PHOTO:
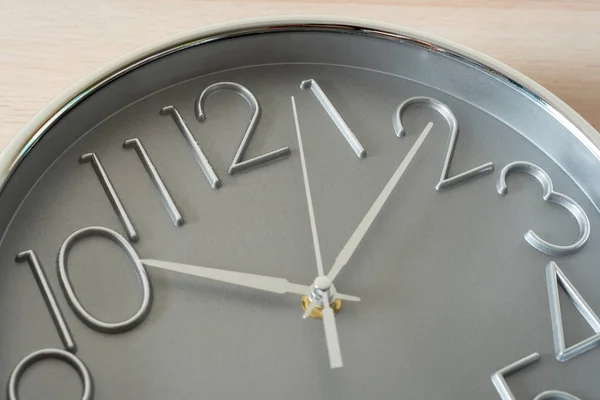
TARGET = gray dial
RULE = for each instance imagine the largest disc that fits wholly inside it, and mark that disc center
(167, 230)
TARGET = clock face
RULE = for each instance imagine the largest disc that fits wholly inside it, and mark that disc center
(166, 231)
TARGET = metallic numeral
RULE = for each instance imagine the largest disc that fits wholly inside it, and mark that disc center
(335, 116)
(551, 196)
(205, 166)
(444, 182)
(63, 331)
(49, 298)
(168, 202)
(140, 271)
(554, 275)
(44, 354)
(111, 194)
(239, 164)
(499, 381)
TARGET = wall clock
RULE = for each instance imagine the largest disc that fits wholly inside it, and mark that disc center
(302, 209)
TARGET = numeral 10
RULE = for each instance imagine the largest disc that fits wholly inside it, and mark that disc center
(68, 355)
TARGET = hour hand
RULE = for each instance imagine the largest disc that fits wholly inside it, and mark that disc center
(260, 282)
(331, 337)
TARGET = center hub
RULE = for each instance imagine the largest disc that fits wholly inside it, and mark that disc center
(323, 283)
(322, 290)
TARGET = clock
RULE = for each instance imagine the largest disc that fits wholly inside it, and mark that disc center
(301, 208)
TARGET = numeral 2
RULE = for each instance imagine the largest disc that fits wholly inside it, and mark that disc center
(238, 164)
(444, 182)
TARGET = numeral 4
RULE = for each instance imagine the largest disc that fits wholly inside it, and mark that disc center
(554, 275)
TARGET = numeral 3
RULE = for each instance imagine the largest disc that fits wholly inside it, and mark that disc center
(553, 197)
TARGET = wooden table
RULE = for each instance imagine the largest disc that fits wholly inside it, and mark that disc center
(47, 45)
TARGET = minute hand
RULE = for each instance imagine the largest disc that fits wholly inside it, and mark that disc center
(352, 243)
(260, 282)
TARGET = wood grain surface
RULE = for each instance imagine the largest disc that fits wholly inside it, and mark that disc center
(47, 45)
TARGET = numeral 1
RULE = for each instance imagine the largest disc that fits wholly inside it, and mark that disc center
(499, 381)
(63, 331)
(114, 199)
(165, 196)
(444, 182)
(205, 166)
(554, 275)
(335, 116)
(49, 298)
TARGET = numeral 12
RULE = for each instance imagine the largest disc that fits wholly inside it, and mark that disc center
(238, 164)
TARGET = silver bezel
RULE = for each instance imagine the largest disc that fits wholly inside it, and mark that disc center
(24, 141)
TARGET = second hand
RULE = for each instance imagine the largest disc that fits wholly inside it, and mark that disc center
(311, 211)
(331, 334)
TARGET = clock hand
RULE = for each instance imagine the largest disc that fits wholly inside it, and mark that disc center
(311, 212)
(260, 282)
(357, 236)
(309, 202)
(331, 336)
